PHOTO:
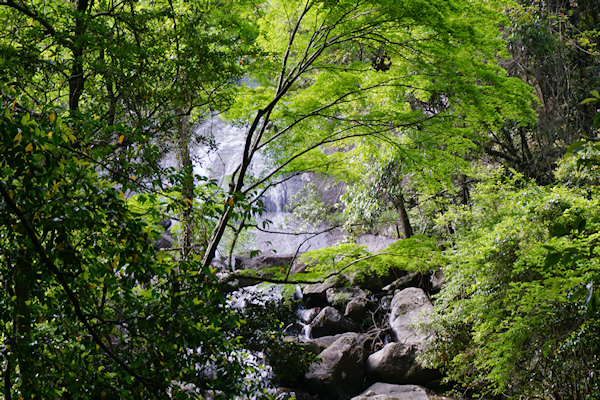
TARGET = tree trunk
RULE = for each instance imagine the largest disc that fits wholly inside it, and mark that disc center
(187, 201)
(464, 189)
(187, 188)
(76, 79)
(405, 225)
(24, 278)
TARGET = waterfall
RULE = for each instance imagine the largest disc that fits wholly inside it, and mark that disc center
(217, 151)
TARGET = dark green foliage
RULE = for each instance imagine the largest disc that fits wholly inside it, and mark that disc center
(88, 309)
(555, 49)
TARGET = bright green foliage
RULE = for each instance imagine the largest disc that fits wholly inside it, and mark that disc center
(418, 253)
(321, 90)
(514, 301)
(341, 84)
(583, 153)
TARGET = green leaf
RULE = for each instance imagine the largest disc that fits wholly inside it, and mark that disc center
(576, 146)
(552, 259)
(588, 100)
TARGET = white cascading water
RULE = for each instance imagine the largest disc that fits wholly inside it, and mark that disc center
(220, 163)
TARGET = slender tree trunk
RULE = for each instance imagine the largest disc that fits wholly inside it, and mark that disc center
(237, 184)
(7, 379)
(24, 278)
(76, 79)
(187, 189)
(464, 189)
(406, 227)
(187, 201)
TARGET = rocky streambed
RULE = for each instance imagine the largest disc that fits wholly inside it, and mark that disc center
(364, 333)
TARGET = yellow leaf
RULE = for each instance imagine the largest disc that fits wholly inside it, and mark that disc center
(52, 118)
(13, 104)
(18, 138)
(133, 177)
(121, 139)
(50, 135)
(188, 202)
(230, 202)
(29, 148)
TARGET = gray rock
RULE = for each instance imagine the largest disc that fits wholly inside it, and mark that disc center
(408, 307)
(386, 391)
(263, 261)
(330, 322)
(307, 315)
(166, 223)
(326, 341)
(340, 374)
(164, 242)
(306, 344)
(356, 309)
(286, 393)
(397, 363)
(437, 280)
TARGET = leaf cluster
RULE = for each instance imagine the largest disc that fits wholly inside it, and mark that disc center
(513, 293)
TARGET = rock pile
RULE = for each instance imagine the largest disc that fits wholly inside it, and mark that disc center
(363, 358)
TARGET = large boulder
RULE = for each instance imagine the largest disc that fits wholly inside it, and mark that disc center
(316, 295)
(340, 374)
(260, 294)
(397, 363)
(386, 391)
(356, 309)
(325, 341)
(308, 314)
(407, 308)
(330, 322)
(307, 344)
